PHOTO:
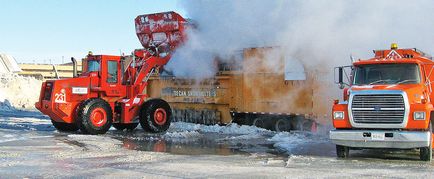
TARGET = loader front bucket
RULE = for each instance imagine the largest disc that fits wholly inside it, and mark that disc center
(165, 28)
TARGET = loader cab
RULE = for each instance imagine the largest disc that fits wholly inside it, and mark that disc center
(105, 73)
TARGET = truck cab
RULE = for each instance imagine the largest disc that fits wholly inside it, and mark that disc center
(387, 103)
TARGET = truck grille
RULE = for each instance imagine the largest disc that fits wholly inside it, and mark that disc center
(378, 109)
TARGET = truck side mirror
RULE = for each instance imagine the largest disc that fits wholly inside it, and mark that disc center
(341, 73)
(340, 76)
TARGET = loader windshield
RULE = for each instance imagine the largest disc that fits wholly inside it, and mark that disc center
(93, 65)
(374, 74)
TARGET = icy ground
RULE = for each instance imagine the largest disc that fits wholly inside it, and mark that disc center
(31, 147)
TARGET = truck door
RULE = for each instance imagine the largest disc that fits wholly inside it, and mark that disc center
(112, 78)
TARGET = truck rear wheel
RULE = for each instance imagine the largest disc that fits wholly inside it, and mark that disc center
(155, 116)
(121, 127)
(94, 116)
(64, 127)
(342, 151)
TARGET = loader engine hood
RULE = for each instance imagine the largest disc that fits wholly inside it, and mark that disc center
(59, 98)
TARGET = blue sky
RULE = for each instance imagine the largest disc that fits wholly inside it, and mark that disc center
(40, 31)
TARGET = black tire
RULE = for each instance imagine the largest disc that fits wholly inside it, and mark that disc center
(258, 122)
(64, 127)
(282, 125)
(342, 151)
(87, 123)
(122, 127)
(426, 152)
(150, 115)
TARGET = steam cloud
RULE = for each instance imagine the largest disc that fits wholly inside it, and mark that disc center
(319, 33)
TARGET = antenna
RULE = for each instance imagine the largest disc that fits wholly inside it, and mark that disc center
(352, 58)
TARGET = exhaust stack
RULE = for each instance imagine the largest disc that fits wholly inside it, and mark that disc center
(74, 67)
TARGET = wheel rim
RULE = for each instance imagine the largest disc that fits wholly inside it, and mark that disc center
(160, 116)
(258, 123)
(98, 117)
(282, 126)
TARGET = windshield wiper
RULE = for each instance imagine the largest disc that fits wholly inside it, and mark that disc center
(378, 81)
(404, 81)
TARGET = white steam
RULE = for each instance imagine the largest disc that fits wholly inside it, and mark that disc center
(319, 33)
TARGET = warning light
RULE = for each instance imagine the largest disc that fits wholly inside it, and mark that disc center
(394, 46)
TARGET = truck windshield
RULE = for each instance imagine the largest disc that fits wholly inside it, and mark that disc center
(407, 73)
(93, 65)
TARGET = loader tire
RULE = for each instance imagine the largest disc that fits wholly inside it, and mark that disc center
(155, 116)
(64, 127)
(342, 151)
(94, 116)
(122, 127)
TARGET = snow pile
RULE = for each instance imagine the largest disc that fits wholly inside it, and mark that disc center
(18, 92)
(233, 129)
(5, 105)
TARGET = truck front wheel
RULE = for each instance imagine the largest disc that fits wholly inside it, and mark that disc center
(94, 116)
(426, 152)
(155, 116)
(342, 151)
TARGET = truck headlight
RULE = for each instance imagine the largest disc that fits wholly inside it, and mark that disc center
(419, 115)
(338, 115)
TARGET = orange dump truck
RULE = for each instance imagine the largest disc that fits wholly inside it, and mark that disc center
(388, 103)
